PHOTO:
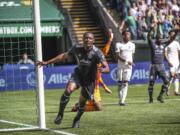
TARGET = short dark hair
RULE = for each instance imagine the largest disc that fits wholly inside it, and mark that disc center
(86, 33)
(124, 31)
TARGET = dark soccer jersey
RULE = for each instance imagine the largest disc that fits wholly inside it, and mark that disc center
(87, 61)
(157, 52)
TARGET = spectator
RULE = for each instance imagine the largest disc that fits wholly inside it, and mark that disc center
(25, 59)
(141, 28)
(154, 11)
(175, 8)
(167, 26)
(131, 24)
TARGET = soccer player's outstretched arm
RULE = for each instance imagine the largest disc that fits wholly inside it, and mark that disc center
(106, 48)
(59, 58)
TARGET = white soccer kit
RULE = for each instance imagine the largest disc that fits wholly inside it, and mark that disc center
(126, 51)
(173, 55)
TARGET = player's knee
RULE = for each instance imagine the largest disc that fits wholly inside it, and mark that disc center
(151, 83)
(69, 89)
(119, 83)
(166, 82)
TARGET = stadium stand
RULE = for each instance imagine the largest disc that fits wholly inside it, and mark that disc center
(164, 12)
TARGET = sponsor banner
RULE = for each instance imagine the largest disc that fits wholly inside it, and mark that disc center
(27, 29)
(24, 78)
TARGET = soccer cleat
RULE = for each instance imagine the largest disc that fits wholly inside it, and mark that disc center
(122, 104)
(176, 93)
(160, 99)
(58, 119)
(167, 93)
(76, 123)
(150, 100)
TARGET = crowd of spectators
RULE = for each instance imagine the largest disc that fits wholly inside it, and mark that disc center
(138, 15)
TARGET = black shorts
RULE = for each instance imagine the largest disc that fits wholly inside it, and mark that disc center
(157, 70)
(87, 87)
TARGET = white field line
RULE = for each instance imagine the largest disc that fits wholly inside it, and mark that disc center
(16, 123)
(59, 132)
(18, 129)
(29, 127)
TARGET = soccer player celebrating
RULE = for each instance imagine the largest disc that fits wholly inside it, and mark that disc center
(96, 103)
(172, 53)
(157, 49)
(124, 53)
(88, 57)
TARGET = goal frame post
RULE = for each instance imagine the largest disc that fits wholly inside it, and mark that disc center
(39, 70)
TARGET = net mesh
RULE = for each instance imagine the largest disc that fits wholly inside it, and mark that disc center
(18, 100)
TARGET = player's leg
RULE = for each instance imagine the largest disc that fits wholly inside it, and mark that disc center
(86, 94)
(176, 81)
(172, 79)
(165, 85)
(176, 86)
(72, 85)
(80, 111)
(152, 78)
(120, 83)
(124, 93)
(96, 104)
(126, 75)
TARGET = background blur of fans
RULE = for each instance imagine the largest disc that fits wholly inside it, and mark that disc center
(138, 15)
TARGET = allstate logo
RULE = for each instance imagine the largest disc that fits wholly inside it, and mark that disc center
(32, 79)
(114, 74)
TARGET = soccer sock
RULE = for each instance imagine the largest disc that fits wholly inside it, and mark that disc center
(176, 85)
(63, 102)
(124, 92)
(164, 88)
(79, 113)
(120, 90)
(150, 92)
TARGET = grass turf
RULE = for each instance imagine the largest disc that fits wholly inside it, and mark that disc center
(138, 118)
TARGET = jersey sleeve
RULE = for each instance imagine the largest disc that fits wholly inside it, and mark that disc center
(134, 48)
(178, 45)
(117, 47)
(101, 56)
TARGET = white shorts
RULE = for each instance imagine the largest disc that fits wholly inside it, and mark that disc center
(124, 74)
(175, 69)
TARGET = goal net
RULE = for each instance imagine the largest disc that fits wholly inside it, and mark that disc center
(18, 100)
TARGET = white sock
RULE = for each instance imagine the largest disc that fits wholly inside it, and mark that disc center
(120, 92)
(124, 92)
(176, 85)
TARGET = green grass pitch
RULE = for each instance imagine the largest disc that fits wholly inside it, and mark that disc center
(137, 118)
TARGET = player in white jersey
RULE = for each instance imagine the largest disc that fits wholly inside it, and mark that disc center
(172, 53)
(124, 52)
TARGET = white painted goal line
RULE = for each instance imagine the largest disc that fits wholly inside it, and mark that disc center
(29, 127)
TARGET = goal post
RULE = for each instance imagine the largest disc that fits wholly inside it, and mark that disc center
(21, 85)
(38, 46)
